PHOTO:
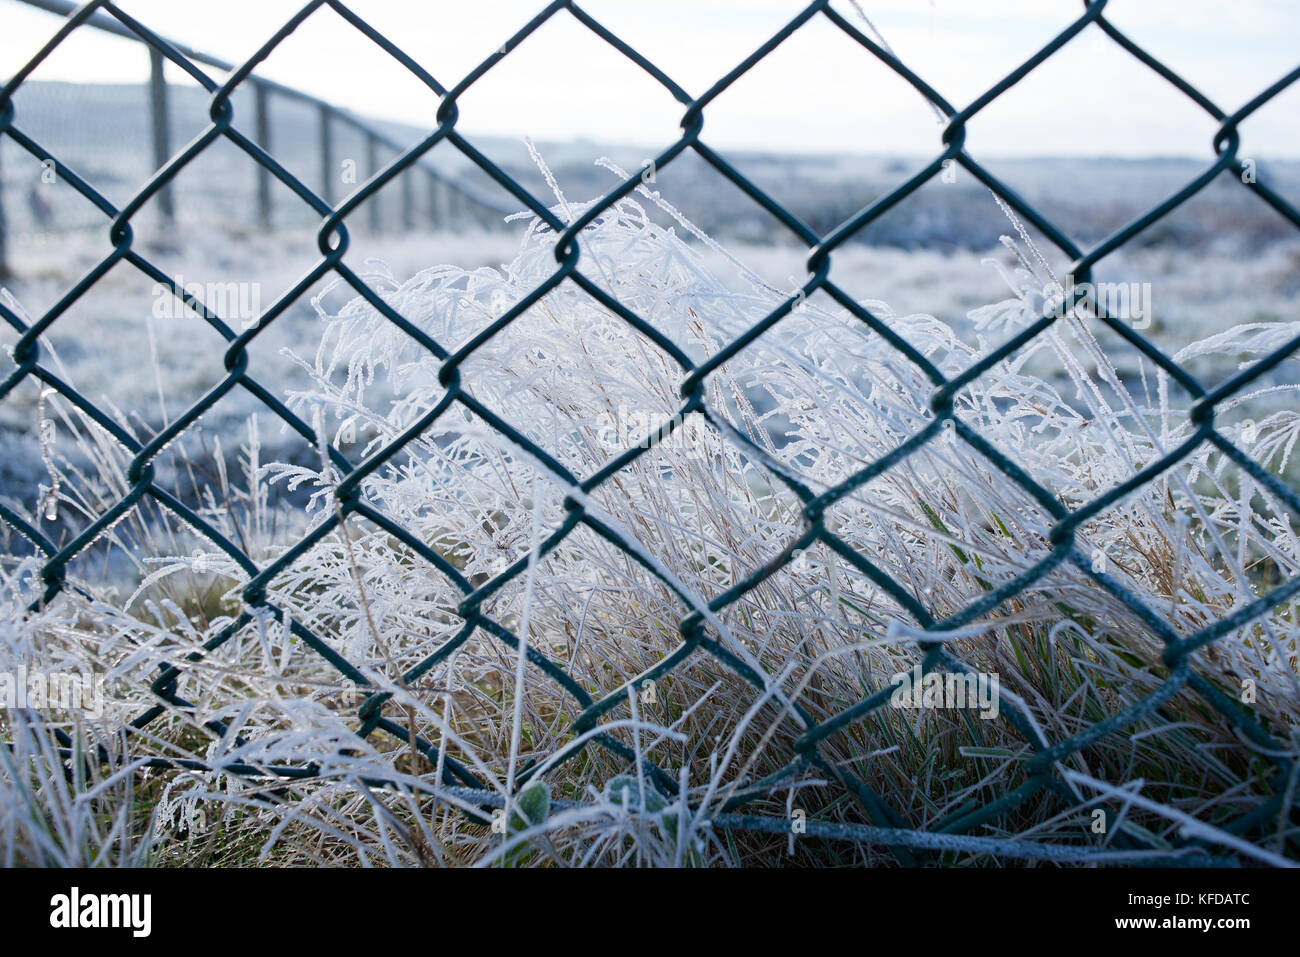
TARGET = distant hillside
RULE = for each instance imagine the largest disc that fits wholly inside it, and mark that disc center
(104, 133)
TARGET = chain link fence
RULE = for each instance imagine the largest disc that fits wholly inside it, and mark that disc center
(144, 124)
(1044, 773)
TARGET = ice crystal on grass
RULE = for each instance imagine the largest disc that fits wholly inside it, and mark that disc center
(708, 503)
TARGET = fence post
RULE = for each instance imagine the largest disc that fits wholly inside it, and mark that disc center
(435, 201)
(4, 261)
(408, 201)
(372, 164)
(262, 108)
(161, 138)
(326, 156)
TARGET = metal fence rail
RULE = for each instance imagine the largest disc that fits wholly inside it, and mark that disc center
(447, 199)
(886, 825)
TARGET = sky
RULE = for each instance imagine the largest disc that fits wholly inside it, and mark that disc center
(818, 92)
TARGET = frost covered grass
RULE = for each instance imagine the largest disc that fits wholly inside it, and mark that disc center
(60, 805)
(820, 397)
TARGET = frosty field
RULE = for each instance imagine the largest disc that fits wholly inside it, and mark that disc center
(542, 592)
(131, 325)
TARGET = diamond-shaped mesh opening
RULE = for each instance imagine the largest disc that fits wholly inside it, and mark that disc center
(867, 97)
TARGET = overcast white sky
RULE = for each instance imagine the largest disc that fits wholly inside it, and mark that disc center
(818, 92)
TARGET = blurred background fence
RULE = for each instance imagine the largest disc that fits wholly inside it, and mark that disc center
(147, 124)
